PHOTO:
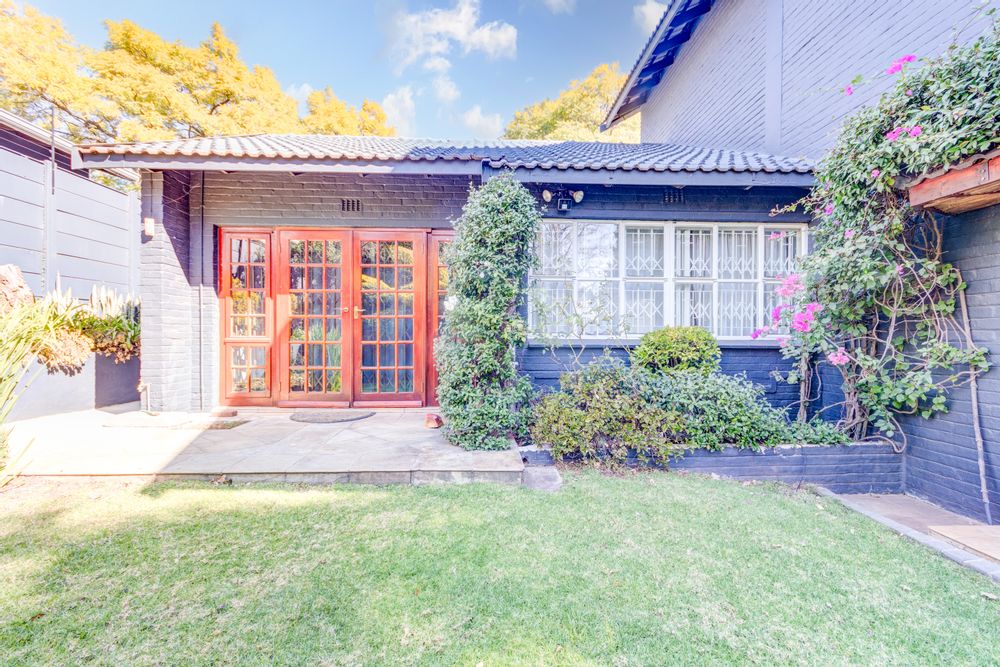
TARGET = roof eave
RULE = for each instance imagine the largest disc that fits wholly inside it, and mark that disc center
(795, 179)
(237, 163)
(610, 119)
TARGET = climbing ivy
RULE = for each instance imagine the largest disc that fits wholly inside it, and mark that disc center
(876, 298)
(483, 397)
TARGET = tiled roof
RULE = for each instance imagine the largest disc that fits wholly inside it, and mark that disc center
(526, 154)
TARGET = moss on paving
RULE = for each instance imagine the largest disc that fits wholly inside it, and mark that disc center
(646, 569)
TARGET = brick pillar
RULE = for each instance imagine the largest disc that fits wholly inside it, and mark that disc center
(168, 343)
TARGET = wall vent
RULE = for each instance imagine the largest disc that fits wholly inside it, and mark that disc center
(673, 196)
(351, 206)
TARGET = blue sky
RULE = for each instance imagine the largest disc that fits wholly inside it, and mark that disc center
(442, 69)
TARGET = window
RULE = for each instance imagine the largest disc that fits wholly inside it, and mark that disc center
(600, 279)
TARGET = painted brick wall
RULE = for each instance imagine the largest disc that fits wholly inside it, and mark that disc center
(718, 93)
(941, 458)
(309, 199)
(167, 333)
(713, 94)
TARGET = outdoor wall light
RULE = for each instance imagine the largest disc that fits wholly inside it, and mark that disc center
(148, 226)
(546, 196)
(578, 196)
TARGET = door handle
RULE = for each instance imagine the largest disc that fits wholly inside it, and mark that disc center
(358, 311)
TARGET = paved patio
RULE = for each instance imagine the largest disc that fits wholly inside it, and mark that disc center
(390, 447)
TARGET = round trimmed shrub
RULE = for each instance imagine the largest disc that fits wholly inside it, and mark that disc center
(674, 349)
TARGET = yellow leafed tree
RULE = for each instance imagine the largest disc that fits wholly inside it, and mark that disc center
(328, 114)
(143, 87)
(576, 114)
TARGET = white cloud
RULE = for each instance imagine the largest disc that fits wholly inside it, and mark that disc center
(432, 33)
(400, 110)
(437, 64)
(560, 6)
(445, 89)
(300, 93)
(648, 14)
(482, 126)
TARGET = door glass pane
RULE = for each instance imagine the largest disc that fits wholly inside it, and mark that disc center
(316, 292)
(387, 299)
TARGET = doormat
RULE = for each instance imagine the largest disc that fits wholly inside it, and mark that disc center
(329, 416)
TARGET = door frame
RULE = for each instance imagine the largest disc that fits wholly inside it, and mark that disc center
(276, 318)
(416, 398)
(280, 259)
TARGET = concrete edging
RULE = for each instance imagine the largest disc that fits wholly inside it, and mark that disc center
(946, 549)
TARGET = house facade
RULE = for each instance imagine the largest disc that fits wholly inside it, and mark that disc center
(772, 76)
(297, 270)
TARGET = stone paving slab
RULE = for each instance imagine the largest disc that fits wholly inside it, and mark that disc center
(391, 447)
(981, 539)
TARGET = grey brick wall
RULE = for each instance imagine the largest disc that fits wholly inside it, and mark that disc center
(719, 92)
(713, 95)
(311, 199)
(842, 469)
(167, 333)
(941, 459)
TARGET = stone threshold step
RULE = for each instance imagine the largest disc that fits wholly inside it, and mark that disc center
(980, 539)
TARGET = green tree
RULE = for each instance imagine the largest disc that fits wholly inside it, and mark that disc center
(577, 112)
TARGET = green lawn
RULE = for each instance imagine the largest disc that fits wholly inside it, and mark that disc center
(650, 569)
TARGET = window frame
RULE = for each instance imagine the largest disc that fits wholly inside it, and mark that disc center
(670, 279)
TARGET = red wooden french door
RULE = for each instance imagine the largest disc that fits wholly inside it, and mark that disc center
(389, 317)
(314, 332)
(246, 317)
(328, 317)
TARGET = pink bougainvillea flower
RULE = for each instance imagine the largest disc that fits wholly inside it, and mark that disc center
(828, 209)
(897, 64)
(838, 358)
(776, 313)
(802, 321)
(909, 93)
(782, 340)
(757, 333)
(900, 269)
(813, 308)
(790, 286)
(848, 90)
(876, 173)
(894, 133)
(916, 131)
(848, 233)
(777, 236)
